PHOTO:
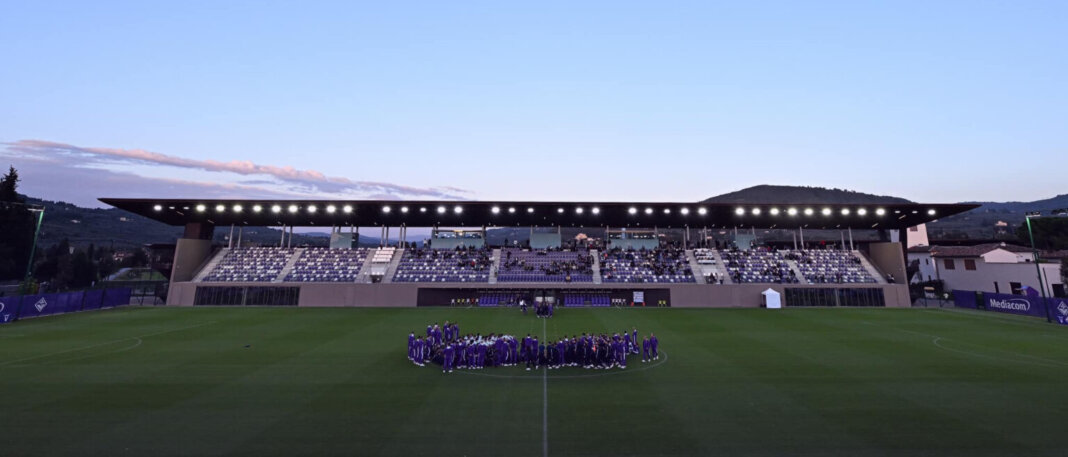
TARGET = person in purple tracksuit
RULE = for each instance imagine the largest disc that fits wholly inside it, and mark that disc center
(634, 338)
(646, 349)
(411, 346)
(417, 349)
(513, 351)
(654, 343)
(447, 359)
(472, 356)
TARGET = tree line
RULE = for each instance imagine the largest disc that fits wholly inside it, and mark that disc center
(61, 266)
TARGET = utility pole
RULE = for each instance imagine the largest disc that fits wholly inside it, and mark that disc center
(1038, 267)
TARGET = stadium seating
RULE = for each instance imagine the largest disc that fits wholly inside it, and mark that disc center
(545, 265)
(758, 265)
(444, 265)
(256, 264)
(704, 256)
(328, 265)
(577, 300)
(830, 266)
(498, 299)
(663, 265)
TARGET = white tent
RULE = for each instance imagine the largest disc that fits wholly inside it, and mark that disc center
(772, 299)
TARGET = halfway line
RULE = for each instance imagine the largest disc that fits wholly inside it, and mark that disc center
(545, 401)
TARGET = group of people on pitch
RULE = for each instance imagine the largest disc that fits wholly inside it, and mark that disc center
(453, 351)
(543, 309)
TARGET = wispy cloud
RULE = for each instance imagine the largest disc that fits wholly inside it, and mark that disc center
(285, 180)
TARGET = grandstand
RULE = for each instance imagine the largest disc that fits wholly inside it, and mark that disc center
(545, 266)
(327, 265)
(656, 265)
(641, 253)
(257, 264)
(443, 265)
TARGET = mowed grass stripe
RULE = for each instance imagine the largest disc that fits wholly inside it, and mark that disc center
(336, 382)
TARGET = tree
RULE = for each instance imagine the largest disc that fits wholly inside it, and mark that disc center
(138, 258)
(9, 186)
(82, 271)
(1051, 233)
(16, 229)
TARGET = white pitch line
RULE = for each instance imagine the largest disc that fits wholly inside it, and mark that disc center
(545, 400)
(10, 362)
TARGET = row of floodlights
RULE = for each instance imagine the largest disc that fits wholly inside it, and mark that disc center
(740, 211)
(825, 211)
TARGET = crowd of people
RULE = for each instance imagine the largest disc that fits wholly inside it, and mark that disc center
(541, 309)
(471, 258)
(582, 263)
(444, 345)
(664, 261)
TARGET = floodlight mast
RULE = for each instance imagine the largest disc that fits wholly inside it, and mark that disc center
(36, 233)
(1038, 267)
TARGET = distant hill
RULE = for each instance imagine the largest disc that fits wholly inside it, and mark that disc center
(982, 222)
(121, 229)
(767, 193)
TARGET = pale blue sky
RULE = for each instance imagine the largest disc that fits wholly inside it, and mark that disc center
(932, 101)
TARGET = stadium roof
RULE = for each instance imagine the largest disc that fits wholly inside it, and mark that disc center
(451, 213)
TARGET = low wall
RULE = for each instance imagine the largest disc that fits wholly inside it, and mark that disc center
(408, 294)
(18, 307)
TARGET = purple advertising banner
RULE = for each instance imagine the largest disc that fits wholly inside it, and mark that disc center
(93, 299)
(1015, 304)
(1059, 308)
(116, 297)
(9, 307)
(72, 301)
(19, 307)
(37, 305)
(964, 299)
(1023, 305)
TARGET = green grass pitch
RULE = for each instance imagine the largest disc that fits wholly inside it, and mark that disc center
(857, 382)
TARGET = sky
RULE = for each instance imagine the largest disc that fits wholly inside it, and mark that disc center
(606, 101)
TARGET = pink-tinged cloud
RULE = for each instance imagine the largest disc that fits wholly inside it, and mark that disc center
(39, 178)
(308, 180)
